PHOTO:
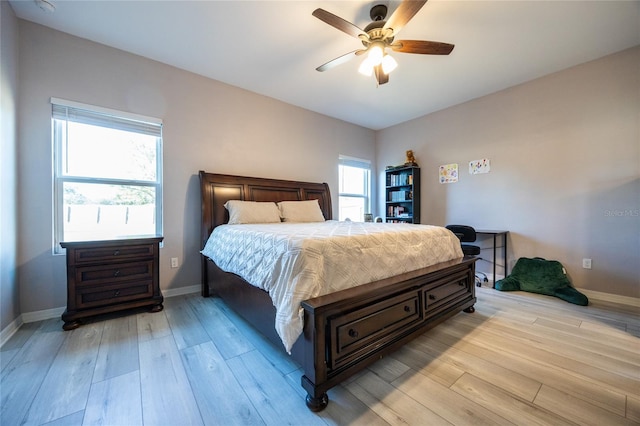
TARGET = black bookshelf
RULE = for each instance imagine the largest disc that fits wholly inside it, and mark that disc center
(402, 194)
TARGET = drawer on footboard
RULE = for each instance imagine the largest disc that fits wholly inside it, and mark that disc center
(356, 332)
(446, 292)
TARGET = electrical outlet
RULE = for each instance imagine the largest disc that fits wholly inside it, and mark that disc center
(174, 262)
(586, 263)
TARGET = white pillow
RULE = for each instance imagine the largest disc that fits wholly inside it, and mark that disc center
(301, 211)
(252, 212)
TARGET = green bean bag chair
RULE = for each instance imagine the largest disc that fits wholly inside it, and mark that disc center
(542, 276)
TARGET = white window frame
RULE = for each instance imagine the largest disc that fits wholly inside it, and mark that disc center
(105, 117)
(360, 163)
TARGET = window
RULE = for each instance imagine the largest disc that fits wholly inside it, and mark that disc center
(354, 188)
(107, 173)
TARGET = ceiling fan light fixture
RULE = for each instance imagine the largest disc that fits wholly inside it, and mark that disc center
(376, 53)
(366, 67)
(388, 64)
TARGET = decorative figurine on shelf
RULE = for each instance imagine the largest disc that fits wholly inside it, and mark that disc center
(411, 160)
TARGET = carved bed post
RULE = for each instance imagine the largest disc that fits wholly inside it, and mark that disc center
(314, 359)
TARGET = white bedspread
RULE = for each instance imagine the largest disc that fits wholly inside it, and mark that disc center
(298, 261)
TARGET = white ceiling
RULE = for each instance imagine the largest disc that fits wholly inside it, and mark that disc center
(273, 47)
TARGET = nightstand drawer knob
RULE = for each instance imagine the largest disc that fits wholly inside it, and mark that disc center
(432, 297)
(116, 293)
(407, 308)
(353, 333)
(116, 273)
(117, 252)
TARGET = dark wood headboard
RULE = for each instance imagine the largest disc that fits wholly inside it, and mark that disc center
(216, 190)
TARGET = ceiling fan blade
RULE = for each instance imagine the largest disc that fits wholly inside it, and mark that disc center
(340, 60)
(337, 22)
(422, 47)
(381, 77)
(403, 14)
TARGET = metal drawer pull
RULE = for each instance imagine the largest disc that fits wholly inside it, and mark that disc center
(117, 293)
(116, 273)
(117, 252)
(407, 308)
(461, 283)
(353, 333)
(432, 297)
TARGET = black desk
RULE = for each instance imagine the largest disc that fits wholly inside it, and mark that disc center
(495, 235)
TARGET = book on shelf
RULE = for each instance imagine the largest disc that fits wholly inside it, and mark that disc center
(400, 180)
(398, 211)
(400, 195)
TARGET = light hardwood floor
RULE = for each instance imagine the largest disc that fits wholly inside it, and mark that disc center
(519, 359)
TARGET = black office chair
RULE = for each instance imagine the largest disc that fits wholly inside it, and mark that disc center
(467, 234)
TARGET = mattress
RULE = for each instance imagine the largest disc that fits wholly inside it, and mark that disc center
(297, 261)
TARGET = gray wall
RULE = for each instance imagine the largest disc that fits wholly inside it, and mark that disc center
(9, 295)
(565, 168)
(208, 126)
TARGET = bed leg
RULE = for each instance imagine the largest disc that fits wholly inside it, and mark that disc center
(317, 404)
(469, 310)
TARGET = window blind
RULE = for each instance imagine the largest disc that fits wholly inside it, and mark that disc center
(354, 162)
(73, 111)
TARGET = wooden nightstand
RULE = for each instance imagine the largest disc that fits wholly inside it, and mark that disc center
(111, 275)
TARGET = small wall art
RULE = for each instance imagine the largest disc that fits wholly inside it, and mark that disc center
(479, 166)
(448, 173)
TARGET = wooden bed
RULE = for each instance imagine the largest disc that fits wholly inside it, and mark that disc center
(344, 331)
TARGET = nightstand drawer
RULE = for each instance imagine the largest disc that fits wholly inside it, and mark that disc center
(113, 273)
(113, 254)
(88, 297)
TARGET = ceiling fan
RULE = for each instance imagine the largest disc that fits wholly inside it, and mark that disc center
(379, 35)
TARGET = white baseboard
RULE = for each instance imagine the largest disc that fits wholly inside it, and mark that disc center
(46, 314)
(608, 297)
(172, 292)
(42, 315)
(10, 330)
